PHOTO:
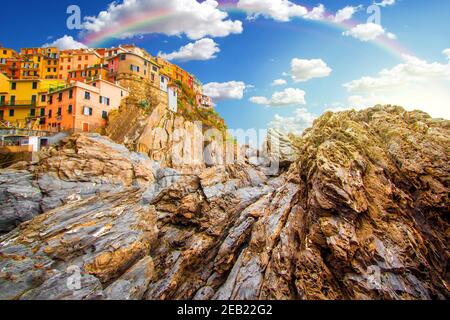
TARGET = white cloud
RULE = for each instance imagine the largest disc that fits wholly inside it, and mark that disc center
(368, 31)
(414, 84)
(385, 3)
(204, 49)
(279, 82)
(346, 13)
(66, 43)
(232, 90)
(301, 120)
(317, 13)
(303, 70)
(280, 10)
(447, 53)
(287, 97)
(194, 19)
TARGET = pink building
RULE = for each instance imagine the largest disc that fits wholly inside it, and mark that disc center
(204, 101)
(83, 106)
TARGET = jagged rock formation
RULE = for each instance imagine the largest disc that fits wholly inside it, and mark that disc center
(361, 214)
(83, 166)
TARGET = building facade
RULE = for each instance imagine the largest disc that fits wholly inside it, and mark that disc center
(83, 107)
(23, 105)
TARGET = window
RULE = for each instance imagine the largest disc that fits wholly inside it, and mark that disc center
(42, 112)
(13, 86)
(35, 84)
(87, 111)
(70, 93)
(69, 109)
(87, 95)
(50, 99)
(60, 96)
(134, 68)
(32, 112)
(12, 100)
(59, 112)
(11, 112)
(105, 115)
(104, 100)
(49, 113)
(123, 57)
(33, 99)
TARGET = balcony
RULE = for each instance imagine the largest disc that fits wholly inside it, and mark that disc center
(18, 103)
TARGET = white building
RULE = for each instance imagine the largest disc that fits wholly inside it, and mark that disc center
(164, 82)
(172, 92)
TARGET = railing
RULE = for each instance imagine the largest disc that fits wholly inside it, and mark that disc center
(18, 103)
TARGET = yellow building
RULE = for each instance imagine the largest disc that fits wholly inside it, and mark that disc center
(25, 100)
(39, 63)
(4, 93)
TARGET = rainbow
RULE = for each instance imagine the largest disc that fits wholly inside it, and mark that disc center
(147, 19)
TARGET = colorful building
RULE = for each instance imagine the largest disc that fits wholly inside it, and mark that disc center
(23, 105)
(133, 64)
(74, 60)
(83, 106)
(7, 58)
(204, 101)
(198, 86)
(39, 63)
(175, 73)
(89, 74)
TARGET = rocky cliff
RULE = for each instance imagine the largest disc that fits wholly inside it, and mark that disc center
(362, 213)
(145, 124)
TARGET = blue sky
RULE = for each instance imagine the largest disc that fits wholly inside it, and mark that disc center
(264, 48)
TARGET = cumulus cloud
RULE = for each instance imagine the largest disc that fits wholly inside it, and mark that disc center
(414, 84)
(65, 43)
(287, 97)
(346, 13)
(203, 49)
(447, 53)
(303, 70)
(280, 10)
(317, 13)
(194, 19)
(368, 31)
(279, 82)
(385, 3)
(232, 90)
(296, 124)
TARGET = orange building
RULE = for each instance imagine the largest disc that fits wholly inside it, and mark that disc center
(175, 73)
(7, 58)
(89, 74)
(72, 60)
(83, 106)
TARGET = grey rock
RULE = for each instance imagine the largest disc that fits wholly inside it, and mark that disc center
(133, 284)
(19, 197)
